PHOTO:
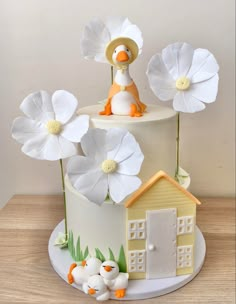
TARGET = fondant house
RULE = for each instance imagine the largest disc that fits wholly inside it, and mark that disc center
(161, 219)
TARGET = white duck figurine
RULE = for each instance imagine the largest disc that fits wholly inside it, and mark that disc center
(96, 287)
(79, 274)
(123, 97)
(115, 280)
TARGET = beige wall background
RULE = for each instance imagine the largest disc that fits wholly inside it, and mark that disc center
(40, 49)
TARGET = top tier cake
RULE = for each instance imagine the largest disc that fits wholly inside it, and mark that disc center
(155, 132)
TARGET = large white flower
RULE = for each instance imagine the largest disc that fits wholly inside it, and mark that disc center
(112, 160)
(183, 74)
(98, 34)
(51, 127)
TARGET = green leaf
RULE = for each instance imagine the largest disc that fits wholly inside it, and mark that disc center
(81, 255)
(122, 260)
(86, 252)
(111, 255)
(97, 253)
(69, 242)
(78, 249)
(101, 258)
(72, 247)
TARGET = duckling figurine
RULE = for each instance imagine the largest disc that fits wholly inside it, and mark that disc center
(96, 287)
(115, 280)
(123, 97)
(79, 274)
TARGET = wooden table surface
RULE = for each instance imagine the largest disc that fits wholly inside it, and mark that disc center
(26, 275)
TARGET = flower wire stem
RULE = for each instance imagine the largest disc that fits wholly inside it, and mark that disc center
(64, 198)
(177, 147)
(112, 74)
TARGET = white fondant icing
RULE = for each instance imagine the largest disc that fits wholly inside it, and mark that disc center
(96, 288)
(123, 77)
(121, 103)
(100, 227)
(161, 243)
(155, 132)
(114, 279)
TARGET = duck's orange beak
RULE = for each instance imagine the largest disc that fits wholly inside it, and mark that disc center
(83, 263)
(91, 291)
(122, 56)
(108, 268)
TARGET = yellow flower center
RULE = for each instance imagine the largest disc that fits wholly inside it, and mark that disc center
(109, 166)
(182, 83)
(54, 126)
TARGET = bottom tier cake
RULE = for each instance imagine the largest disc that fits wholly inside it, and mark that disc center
(137, 289)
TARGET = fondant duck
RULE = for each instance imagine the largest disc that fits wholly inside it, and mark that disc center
(123, 97)
(115, 280)
(80, 274)
(96, 287)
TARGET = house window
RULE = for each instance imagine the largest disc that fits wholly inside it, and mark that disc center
(137, 230)
(136, 261)
(184, 256)
(185, 225)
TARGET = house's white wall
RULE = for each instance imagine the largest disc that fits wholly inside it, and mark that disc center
(40, 49)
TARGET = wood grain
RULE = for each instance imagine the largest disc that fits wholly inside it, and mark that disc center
(26, 275)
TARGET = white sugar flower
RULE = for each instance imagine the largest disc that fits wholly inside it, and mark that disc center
(51, 127)
(112, 160)
(98, 34)
(183, 74)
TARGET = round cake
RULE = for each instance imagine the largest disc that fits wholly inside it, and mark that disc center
(156, 133)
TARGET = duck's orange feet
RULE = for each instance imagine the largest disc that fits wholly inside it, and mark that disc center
(70, 276)
(107, 110)
(134, 112)
(120, 293)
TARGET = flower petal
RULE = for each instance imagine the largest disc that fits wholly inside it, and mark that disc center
(160, 81)
(95, 38)
(24, 129)
(93, 185)
(185, 102)
(204, 66)
(134, 33)
(122, 185)
(122, 27)
(75, 130)
(38, 106)
(49, 147)
(132, 164)
(116, 25)
(124, 144)
(94, 144)
(78, 165)
(177, 58)
(206, 91)
(64, 105)
(35, 146)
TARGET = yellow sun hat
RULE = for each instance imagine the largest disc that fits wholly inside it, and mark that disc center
(129, 43)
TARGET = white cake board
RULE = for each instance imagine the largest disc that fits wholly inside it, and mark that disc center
(137, 289)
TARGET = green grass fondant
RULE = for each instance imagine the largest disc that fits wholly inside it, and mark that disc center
(79, 255)
(111, 255)
(76, 252)
(122, 260)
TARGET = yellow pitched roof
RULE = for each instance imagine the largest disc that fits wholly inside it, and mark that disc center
(155, 178)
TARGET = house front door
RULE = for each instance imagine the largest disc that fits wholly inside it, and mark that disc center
(161, 243)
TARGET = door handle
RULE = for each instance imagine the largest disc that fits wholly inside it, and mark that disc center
(151, 247)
